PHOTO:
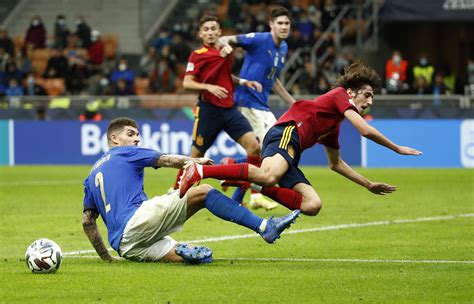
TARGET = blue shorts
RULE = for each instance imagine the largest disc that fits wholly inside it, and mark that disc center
(210, 120)
(283, 139)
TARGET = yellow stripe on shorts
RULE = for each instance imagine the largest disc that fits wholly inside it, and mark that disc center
(196, 121)
(286, 137)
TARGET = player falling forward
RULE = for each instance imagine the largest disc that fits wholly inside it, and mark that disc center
(138, 227)
(264, 58)
(209, 73)
(305, 124)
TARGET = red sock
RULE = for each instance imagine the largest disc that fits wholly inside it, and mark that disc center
(176, 183)
(287, 197)
(254, 160)
(233, 172)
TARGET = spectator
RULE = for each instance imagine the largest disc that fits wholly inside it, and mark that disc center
(14, 88)
(148, 62)
(91, 112)
(396, 73)
(61, 32)
(83, 32)
(179, 49)
(76, 81)
(424, 68)
(162, 39)
(322, 84)
(163, 77)
(438, 88)
(12, 72)
(4, 59)
(96, 52)
(295, 41)
(32, 88)
(328, 13)
(420, 86)
(23, 60)
(6, 42)
(36, 33)
(58, 65)
(123, 71)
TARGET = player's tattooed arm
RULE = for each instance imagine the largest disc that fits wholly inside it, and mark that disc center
(92, 231)
(178, 161)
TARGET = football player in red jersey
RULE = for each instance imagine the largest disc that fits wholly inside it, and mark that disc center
(209, 72)
(305, 124)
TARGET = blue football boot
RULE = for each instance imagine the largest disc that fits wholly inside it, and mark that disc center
(276, 225)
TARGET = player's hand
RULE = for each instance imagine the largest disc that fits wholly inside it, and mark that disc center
(408, 151)
(254, 85)
(217, 91)
(381, 188)
(204, 161)
(226, 51)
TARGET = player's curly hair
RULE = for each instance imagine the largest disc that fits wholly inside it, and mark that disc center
(357, 75)
(119, 123)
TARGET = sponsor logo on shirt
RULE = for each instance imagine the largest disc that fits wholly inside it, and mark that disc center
(190, 67)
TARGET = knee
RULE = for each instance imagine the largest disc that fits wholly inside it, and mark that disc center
(269, 180)
(311, 207)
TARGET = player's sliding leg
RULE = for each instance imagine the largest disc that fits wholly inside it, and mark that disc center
(229, 210)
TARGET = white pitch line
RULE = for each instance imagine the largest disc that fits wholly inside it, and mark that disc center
(324, 228)
(333, 260)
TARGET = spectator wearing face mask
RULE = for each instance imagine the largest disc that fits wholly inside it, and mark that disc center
(83, 31)
(123, 72)
(36, 33)
(424, 69)
(31, 88)
(396, 73)
(6, 42)
(96, 52)
(61, 32)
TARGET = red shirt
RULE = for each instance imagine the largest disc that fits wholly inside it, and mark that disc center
(318, 120)
(208, 66)
(391, 68)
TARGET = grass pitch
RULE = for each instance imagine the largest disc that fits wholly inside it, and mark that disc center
(415, 245)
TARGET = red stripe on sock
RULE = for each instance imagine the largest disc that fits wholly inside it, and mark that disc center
(232, 172)
(289, 198)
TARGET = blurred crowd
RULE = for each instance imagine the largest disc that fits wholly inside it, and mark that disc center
(81, 61)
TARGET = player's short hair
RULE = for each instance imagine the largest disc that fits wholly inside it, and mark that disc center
(207, 18)
(118, 124)
(357, 75)
(279, 11)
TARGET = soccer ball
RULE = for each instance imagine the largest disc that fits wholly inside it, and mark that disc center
(43, 256)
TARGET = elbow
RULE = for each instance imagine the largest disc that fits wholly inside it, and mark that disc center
(334, 166)
(367, 132)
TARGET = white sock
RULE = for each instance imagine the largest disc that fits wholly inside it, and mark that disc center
(263, 225)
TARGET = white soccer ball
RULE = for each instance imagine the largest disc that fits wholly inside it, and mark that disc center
(43, 256)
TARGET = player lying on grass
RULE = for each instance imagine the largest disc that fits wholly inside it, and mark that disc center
(305, 124)
(138, 227)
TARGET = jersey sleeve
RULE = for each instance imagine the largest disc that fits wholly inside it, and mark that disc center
(143, 157)
(249, 41)
(194, 64)
(341, 101)
(88, 198)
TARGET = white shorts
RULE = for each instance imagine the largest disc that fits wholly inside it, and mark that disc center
(260, 120)
(145, 237)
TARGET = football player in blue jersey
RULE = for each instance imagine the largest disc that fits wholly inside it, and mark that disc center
(139, 227)
(263, 61)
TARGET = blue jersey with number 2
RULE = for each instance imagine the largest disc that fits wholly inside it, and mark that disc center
(263, 62)
(114, 187)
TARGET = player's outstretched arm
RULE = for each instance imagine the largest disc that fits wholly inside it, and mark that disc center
(178, 161)
(338, 165)
(226, 43)
(92, 231)
(375, 135)
(282, 92)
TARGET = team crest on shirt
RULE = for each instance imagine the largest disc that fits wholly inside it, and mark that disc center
(199, 140)
(201, 51)
(291, 151)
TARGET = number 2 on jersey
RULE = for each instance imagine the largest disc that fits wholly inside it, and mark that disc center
(99, 182)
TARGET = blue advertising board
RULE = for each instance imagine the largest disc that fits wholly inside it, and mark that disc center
(73, 142)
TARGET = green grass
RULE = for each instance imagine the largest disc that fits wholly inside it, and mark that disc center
(45, 201)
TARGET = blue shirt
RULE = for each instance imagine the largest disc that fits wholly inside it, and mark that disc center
(263, 63)
(114, 187)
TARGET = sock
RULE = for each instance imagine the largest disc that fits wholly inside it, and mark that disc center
(176, 183)
(233, 172)
(229, 210)
(287, 197)
(238, 195)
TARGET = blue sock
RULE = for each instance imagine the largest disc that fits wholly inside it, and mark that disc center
(229, 210)
(238, 195)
